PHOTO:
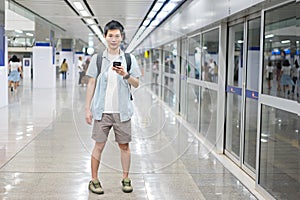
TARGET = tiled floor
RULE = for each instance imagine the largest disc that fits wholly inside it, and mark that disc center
(45, 152)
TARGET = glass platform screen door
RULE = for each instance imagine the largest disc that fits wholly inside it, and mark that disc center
(242, 92)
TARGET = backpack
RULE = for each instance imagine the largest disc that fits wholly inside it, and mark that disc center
(128, 62)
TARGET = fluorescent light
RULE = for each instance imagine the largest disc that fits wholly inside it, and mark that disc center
(152, 14)
(18, 31)
(285, 41)
(84, 13)
(269, 36)
(155, 22)
(240, 41)
(146, 22)
(162, 15)
(157, 6)
(78, 5)
(169, 7)
(90, 21)
(29, 34)
(96, 29)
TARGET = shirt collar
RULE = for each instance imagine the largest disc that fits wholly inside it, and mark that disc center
(105, 53)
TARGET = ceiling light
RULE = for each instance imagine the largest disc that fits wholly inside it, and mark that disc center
(269, 36)
(146, 22)
(84, 13)
(285, 41)
(152, 14)
(29, 34)
(155, 22)
(162, 15)
(78, 5)
(169, 7)
(18, 31)
(157, 6)
(90, 50)
(90, 21)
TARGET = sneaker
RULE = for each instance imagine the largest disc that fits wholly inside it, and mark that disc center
(95, 187)
(126, 183)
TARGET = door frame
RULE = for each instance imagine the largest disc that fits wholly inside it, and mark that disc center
(240, 161)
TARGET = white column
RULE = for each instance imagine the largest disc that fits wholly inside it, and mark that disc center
(3, 71)
(43, 69)
(26, 69)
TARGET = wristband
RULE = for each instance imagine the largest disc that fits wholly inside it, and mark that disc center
(126, 77)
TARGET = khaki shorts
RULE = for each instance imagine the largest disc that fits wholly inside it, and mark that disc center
(102, 127)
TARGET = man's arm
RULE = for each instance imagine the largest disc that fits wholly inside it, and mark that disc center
(133, 81)
(89, 96)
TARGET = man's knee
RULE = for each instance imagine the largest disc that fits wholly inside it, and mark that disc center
(124, 147)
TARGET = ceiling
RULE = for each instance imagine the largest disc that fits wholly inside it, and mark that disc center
(60, 13)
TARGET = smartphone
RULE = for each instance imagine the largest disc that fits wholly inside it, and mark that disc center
(116, 64)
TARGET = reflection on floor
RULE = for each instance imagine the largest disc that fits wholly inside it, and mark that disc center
(45, 152)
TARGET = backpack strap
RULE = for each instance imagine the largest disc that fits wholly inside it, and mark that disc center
(128, 61)
(99, 62)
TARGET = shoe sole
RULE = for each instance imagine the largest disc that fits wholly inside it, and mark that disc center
(96, 192)
(127, 191)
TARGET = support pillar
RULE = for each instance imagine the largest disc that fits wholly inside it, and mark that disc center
(43, 62)
(3, 58)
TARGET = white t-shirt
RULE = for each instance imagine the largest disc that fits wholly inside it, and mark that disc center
(79, 64)
(286, 70)
(14, 65)
(111, 97)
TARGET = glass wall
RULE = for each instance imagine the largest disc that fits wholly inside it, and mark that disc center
(281, 52)
(280, 153)
(194, 58)
(279, 136)
(204, 56)
(192, 105)
(210, 55)
(234, 89)
(208, 114)
(202, 67)
(156, 67)
(169, 70)
(251, 100)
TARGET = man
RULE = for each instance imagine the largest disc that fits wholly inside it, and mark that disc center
(111, 105)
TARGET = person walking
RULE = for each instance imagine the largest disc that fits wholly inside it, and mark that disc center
(15, 73)
(81, 70)
(108, 103)
(64, 69)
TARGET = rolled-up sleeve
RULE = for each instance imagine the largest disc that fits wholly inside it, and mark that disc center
(92, 70)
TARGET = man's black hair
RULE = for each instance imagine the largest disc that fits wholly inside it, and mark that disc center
(112, 25)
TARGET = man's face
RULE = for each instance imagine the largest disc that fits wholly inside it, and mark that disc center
(113, 38)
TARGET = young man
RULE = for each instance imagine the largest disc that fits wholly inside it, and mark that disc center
(109, 104)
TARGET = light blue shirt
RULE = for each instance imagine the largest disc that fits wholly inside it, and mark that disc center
(98, 102)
